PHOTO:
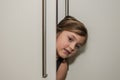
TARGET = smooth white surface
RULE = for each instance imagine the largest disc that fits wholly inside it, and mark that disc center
(51, 39)
(101, 59)
(21, 40)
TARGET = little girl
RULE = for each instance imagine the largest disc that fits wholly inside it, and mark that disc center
(71, 36)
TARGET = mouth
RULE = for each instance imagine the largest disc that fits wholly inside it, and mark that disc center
(67, 51)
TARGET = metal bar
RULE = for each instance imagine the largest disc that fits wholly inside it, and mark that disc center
(56, 12)
(44, 74)
(66, 7)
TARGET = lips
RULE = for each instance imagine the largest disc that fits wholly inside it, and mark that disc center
(67, 51)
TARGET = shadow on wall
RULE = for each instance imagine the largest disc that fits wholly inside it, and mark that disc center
(81, 51)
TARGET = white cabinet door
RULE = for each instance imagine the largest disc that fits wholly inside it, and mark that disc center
(21, 40)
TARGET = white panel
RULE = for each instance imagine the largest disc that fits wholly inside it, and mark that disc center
(61, 10)
(51, 39)
(21, 40)
(101, 59)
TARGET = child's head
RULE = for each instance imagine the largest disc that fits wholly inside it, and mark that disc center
(71, 35)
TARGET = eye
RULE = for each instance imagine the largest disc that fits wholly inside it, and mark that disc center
(78, 46)
(70, 39)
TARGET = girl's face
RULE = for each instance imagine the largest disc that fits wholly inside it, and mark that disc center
(68, 43)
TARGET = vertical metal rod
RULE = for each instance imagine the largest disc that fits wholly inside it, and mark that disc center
(44, 74)
(56, 12)
(66, 7)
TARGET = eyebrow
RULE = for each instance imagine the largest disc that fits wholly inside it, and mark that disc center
(76, 39)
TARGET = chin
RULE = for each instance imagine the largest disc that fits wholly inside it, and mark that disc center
(63, 56)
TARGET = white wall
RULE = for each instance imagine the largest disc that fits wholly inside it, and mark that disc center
(21, 40)
(51, 39)
(100, 60)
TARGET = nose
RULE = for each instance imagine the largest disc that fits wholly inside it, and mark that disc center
(72, 47)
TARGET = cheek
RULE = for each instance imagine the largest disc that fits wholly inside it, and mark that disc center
(73, 53)
(61, 43)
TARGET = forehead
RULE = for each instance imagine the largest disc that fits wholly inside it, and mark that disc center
(78, 38)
